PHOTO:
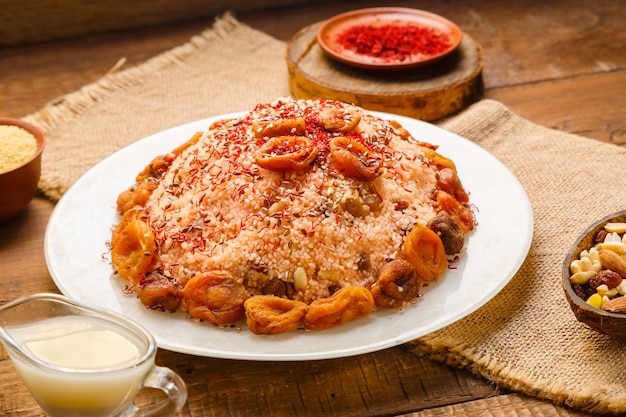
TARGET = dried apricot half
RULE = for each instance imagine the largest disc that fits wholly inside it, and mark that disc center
(134, 251)
(425, 250)
(354, 159)
(216, 296)
(397, 284)
(347, 304)
(286, 153)
(269, 314)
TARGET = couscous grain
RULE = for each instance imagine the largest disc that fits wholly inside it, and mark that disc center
(17, 145)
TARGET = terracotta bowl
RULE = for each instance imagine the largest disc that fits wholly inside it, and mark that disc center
(609, 323)
(19, 185)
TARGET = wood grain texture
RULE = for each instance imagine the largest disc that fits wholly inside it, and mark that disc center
(501, 405)
(342, 387)
(593, 106)
(425, 93)
(44, 20)
(559, 64)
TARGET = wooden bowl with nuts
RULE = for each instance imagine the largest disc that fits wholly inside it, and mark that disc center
(594, 276)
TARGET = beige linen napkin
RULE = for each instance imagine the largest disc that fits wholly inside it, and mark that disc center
(526, 339)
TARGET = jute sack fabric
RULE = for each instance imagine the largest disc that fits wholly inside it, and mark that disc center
(227, 68)
(526, 339)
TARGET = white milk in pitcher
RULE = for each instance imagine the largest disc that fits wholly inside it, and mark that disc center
(99, 359)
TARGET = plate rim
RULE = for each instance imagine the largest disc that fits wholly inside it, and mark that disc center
(365, 62)
(327, 354)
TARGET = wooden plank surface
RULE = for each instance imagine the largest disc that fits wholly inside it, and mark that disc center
(559, 64)
(593, 105)
(44, 20)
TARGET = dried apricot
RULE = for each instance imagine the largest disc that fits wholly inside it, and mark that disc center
(460, 212)
(436, 158)
(336, 119)
(448, 181)
(269, 314)
(134, 251)
(159, 165)
(136, 195)
(282, 127)
(424, 249)
(397, 284)
(348, 303)
(215, 296)
(159, 292)
(130, 215)
(354, 159)
(400, 131)
(286, 153)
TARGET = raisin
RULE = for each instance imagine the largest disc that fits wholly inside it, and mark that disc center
(600, 236)
(610, 278)
(363, 263)
(579, 290)
(279, 288)
(333, 289)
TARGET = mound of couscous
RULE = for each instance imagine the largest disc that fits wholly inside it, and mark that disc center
(296, 200)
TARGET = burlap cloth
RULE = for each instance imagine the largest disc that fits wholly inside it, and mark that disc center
(526, 339)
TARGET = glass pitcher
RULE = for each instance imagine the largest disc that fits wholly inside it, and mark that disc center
(82, 361)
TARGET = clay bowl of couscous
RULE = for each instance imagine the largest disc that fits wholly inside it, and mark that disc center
(21, 145)
(594, 276)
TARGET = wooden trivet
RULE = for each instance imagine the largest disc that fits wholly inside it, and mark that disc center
(426, 93)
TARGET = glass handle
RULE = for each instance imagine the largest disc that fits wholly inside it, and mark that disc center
(174, 388)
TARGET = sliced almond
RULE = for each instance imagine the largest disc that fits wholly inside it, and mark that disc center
(618, 247)
(616, 305)
(615, 227)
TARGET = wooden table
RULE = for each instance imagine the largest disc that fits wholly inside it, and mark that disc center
(560, 64)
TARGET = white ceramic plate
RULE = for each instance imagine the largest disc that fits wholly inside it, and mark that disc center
(81, 224)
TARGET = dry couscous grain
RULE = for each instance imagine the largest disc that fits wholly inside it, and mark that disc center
(214, 205)
(16, 146)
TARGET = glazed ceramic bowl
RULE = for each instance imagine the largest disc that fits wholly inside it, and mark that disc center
(610, 323)
(19, 185)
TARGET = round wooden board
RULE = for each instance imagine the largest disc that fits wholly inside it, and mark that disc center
(426, 93)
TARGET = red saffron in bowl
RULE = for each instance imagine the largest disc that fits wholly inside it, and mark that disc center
(394, 41)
